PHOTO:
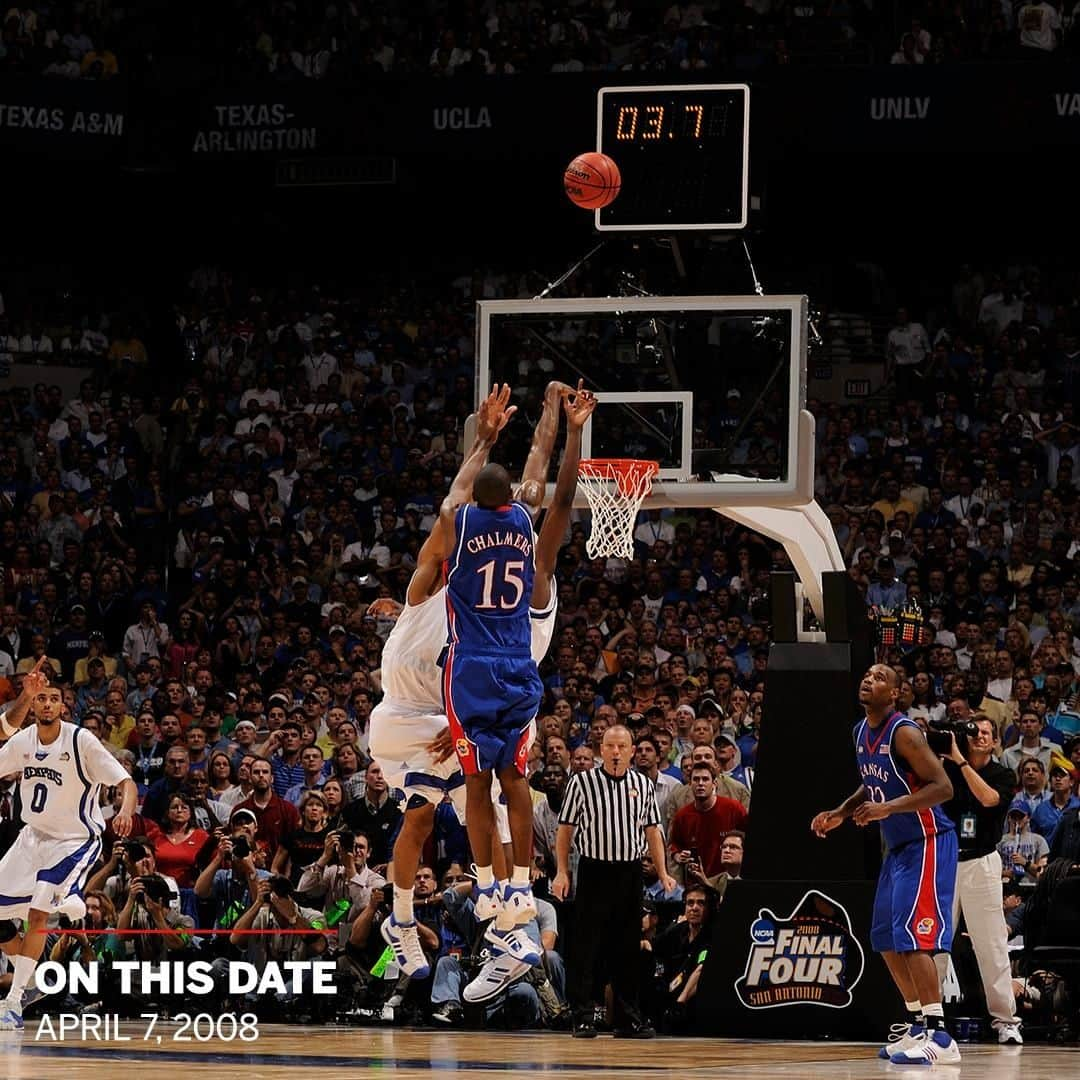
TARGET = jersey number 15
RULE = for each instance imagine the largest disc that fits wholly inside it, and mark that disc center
(510, 579)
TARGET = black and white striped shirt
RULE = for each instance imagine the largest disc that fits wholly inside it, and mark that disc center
(610, 814)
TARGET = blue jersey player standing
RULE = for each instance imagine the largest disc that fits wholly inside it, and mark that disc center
(491, 688)
(903, 786)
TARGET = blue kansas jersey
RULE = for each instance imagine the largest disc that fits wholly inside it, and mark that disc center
(489, 581)
(886, 776)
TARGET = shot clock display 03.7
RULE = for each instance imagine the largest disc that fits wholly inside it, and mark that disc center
(683, 154)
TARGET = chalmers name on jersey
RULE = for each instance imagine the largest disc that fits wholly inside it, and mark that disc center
(887, 776)
(489, 580)
(61, 782)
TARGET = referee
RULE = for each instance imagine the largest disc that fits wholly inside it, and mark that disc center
(615, 812)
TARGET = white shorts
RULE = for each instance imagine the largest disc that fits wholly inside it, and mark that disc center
(502, 817)
(400, 735)
(46, 874)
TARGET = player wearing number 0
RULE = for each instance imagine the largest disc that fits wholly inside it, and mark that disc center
(409, 736)
(45, 870)
(904, 785)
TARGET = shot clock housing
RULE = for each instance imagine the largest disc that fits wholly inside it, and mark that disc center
(683, 152)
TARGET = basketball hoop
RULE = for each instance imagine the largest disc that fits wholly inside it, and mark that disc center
(615, 488)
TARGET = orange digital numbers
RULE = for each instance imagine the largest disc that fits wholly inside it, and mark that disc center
(654, 121)
(698, 112)
(626, 124)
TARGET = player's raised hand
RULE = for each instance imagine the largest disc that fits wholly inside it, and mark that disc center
(579, 405)
(36, 680)
(494, 413)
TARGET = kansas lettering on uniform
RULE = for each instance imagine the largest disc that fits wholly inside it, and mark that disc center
(886, 776)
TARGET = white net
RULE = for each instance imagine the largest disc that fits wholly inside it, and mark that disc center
(615, 489)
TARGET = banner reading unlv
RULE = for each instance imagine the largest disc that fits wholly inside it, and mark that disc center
(812, 957)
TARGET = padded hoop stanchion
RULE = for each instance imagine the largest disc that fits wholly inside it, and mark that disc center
(615, 489)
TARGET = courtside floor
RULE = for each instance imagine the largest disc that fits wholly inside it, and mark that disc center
(293, 1053)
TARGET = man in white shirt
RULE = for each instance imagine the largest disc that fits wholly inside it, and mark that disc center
(319, 365)
(653, 528)
(245, 426)
(341, 873)
(1040, 26)
(266, 396)
(85, 403)
(961, 503)
(145, 639)
(907, 346)
(1032, 743)
(36, 342)
(286, 476)
(1001, 685)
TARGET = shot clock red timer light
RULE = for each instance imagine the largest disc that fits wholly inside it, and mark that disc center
(682, 153)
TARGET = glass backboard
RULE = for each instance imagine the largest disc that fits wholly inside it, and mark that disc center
(711, 387)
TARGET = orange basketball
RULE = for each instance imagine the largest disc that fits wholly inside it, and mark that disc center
(592, 180)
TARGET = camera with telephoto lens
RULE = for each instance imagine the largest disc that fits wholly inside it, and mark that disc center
(346, 841)
(155, 888)
(241, 847)
(940, 730)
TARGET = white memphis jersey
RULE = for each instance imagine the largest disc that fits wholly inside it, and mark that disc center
(543, 625)
(410, 657)
(61, 783)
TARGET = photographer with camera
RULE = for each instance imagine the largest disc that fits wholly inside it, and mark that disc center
(130, 859)
(147, 908)
(74, 944)
(342, 878)
(982, 793)
(274, 908)
(230, 880)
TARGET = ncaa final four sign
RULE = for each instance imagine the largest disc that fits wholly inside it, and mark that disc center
(812, 957)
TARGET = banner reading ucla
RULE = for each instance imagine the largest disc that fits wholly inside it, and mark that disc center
(968, 109)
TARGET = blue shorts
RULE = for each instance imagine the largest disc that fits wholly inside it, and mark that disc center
(491, 702)
(913, 905)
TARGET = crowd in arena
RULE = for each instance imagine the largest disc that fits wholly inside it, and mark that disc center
(296, 41)
(195, 564)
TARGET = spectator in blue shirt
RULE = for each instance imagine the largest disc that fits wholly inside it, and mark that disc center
(1047, 815)
(886, 592)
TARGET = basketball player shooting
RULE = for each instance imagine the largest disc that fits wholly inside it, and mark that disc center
(45, 870)
(491, 686)
(904, 785)
(409, 734)
(512, 953)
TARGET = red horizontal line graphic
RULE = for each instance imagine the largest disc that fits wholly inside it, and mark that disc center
(156, 932)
